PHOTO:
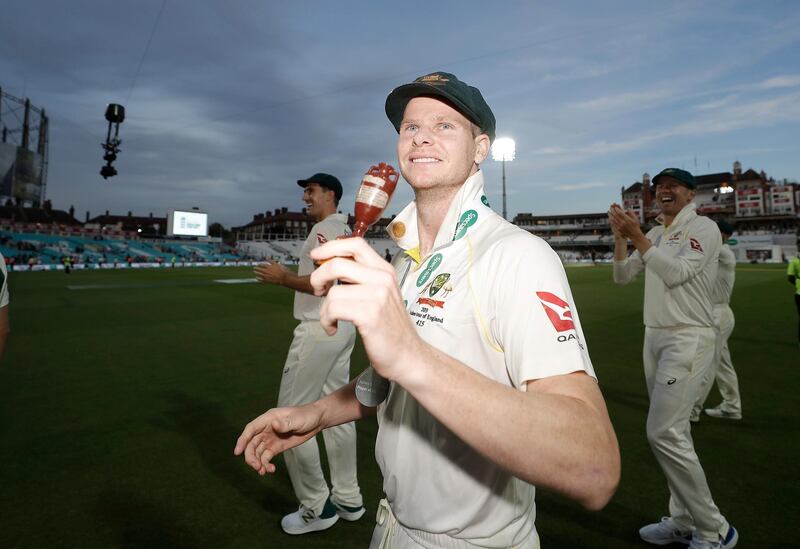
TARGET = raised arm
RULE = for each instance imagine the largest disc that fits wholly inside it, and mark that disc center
(556, 435)
(699, 247)
(625, 268)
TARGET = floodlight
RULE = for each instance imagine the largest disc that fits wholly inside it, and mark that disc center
(504, 149)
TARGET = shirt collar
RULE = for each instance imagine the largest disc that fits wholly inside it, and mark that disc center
(403, 228)
(336, 217)
(684, 216)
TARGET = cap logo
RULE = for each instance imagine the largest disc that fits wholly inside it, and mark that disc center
(434, 78)
(557, 311)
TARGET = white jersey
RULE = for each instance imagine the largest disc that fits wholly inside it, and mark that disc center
(726, 276)
(496, 298)
(4, 282)
(681, 271)
(306, 306)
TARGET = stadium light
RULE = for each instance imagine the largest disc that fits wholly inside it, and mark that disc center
(504, 149)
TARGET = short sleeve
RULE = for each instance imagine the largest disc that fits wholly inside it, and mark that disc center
(327, 231)
(535, 320)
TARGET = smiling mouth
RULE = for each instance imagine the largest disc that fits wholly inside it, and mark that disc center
(425, 160)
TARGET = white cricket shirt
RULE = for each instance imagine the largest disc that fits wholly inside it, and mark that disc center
(306, 306)
(681, 271)
(496, 298)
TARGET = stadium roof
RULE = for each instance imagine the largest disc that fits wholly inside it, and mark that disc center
(37, 215)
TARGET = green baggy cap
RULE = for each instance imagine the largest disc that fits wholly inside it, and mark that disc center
(464, 98)
(676, 173)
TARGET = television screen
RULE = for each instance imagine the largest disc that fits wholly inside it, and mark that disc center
(181, 223)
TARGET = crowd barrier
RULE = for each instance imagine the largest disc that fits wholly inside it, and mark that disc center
(125, 265)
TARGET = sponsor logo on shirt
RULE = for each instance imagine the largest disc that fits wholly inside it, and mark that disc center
(695, 244)
(674, 239)
(557, 311)
(321, 238)
(485, 201)
(467, 220)
(433, 263)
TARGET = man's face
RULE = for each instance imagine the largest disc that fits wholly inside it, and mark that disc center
(316, 198)
(672, 195)
(436, 146)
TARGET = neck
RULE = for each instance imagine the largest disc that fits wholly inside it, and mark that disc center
(325, 213)
(432, 207)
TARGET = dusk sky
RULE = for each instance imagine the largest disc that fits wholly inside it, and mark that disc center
(229, 103)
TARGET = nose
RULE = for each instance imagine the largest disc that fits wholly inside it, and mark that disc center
(422, 137)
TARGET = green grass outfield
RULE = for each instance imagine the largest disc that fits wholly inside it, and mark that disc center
(121, 400)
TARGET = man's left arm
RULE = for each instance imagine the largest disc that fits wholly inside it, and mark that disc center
(556, 435)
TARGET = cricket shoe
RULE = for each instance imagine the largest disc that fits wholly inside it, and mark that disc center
(720, 412)
(664, 533)
(306, 520)
(730, 541)
(350, 514)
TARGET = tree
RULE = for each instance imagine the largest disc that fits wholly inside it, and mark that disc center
(216, 229)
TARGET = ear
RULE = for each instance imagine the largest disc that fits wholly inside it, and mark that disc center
(482, 146)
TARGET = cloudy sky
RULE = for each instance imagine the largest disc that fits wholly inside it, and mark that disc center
(228, 103)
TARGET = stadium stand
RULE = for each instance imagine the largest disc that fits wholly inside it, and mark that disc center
(763, 211)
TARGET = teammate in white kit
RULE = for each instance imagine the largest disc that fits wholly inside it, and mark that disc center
(493, 391)
(317, 364)
(4, 325)
(722, 369)
(680, 257)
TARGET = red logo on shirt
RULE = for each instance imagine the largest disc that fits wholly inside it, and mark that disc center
(695, 244)
(557, 311)
(431, 302)
(321, 239)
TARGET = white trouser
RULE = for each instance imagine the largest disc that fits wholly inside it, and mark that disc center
(390, 534)
(675, 361)
(722, 369)
(318, 364)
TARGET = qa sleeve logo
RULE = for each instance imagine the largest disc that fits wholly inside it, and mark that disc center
(321, 238)
(695, 244)
(557, 311)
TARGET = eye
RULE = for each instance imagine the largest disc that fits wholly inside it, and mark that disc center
(446, 126)
(409, 127)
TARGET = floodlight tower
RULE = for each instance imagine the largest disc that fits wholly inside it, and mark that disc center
(504, 149)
